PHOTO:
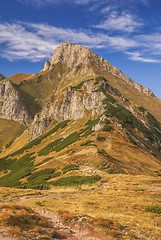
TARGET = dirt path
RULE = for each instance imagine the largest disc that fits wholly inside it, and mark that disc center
(4, 236)
(76, 231)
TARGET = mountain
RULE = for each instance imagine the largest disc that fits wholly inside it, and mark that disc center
(80, 108)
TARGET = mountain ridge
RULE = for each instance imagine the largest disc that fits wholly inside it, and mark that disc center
(75, 55)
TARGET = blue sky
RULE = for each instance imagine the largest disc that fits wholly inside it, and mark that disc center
(125, 32)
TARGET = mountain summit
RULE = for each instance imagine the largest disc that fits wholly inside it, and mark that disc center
(79, 57)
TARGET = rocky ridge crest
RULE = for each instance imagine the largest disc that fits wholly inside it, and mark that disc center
(77, 56)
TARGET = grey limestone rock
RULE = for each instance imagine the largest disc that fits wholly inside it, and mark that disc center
(11, 104)
(71, 104)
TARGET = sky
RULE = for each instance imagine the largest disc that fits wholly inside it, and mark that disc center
(127, 33)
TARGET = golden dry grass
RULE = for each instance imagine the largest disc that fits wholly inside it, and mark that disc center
(119, 197)
(9, 130)
(20, 77)
(23, 223)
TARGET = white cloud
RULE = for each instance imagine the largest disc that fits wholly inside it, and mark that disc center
(124, 22)
(35, 42)
(136, 56)
(23, 44)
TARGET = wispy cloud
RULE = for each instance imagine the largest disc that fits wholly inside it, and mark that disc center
(22, 44)
(124, 22)
(136, 56)
(35, 42)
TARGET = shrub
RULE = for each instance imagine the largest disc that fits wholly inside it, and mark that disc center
(46, 173)
(108, 99)
(69, 168)
(39, 139)
(142, 109)
(107, 128)
(67, 141)
(86, 143)
(153, 209)
(88, 130)
(99, 79)
(76, 180)
(19, 169)
(107, 121)
(43, 161)
(101, 139)
(49, 147)
(79, 85)
(38, 179)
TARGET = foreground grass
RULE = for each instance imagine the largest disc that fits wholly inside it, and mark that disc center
(121, 198)
(23, 223)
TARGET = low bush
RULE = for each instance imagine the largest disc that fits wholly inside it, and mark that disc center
(98, 79)
(67, 141)
(101, 139)
(45, 173)
(86, 143)
(76, 180)
(108, 99)
(107, 128)
(20, 168)
(88, 130)
(43, 161)
(153, 209)
(142, 109)
(38, 140)
(49, 147)
(38, 179)
(69, 168)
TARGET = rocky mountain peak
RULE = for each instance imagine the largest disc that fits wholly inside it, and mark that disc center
(79, 57)
(70, 54)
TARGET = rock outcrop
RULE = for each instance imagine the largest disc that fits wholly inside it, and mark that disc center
(11, 104)
(46, 65)
(72, 103)
(77, 56)
(2, 77)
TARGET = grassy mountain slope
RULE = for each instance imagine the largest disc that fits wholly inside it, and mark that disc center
(9, 130)
(117, 141)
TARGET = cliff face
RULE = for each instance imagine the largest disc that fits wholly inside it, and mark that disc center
(11, 104)
(73, 103)
(79, 57)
